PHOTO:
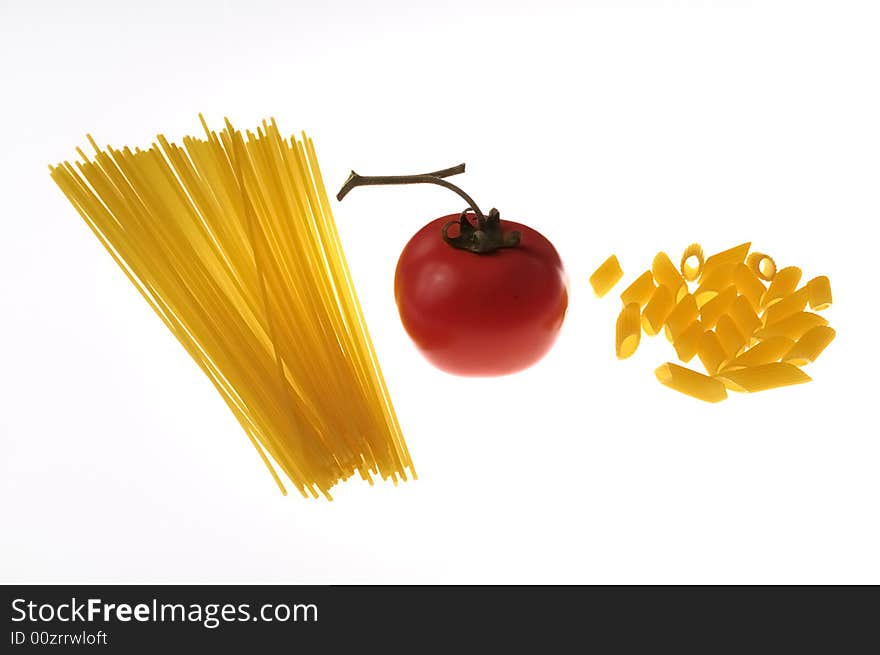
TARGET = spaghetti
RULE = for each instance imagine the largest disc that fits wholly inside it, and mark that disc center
(231, 240)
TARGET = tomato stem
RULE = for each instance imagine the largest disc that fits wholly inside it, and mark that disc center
(486, 237)
(356, 180)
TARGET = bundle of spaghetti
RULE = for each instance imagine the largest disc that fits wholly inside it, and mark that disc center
(231, 240)
(749, 336)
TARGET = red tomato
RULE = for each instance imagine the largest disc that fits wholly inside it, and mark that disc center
(481, 314)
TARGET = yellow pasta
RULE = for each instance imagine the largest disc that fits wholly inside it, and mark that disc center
(762, 377)
(606, 276)
(713, 283)
(710, 352)
(691, 383)
(819, 290)
(793, 327)
(810, 345)
(692, 262)
(725, 259)
(765, 352)
(657, 310)
(231, 240)
(762, 265)
(748, 285)
(683, 314)
(731, 338)
(666, 274)
(687, 343)
(744, 316)
(629, 330)
(639, 291)
(745, 321)
(783, 284)
(791, 304)
(712, 310)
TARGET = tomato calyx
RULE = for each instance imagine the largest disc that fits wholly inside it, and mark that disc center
(485, 237)
(488, 235)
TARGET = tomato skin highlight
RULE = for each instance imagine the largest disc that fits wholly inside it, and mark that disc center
(481, 314)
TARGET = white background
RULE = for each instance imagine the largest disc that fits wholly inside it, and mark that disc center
(612, 128)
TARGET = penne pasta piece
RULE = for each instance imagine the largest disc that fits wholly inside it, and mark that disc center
(810, 346)
(692, 262)
(744, 316)
(793, 327)
(657, 310)
(712, 310)
(726, 258)
(606, 276)
(783, 284)
(819, 290)
(762, 377)
(762, 265)
(749, 285)
(683, 314)
(765, 352)
(731, 338)
(691, 383)
(711, 284)
(710, 352)
(791, 304)
(688, 341)
(703, 296)
(629, 331)
(639, 291)
(666, 274)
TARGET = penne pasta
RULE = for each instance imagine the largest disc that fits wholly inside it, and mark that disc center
(810, 346)
(687, 342)
(731, 338)
(666, 274)
(762, 265)
(683, 314)
(791, 304)
(793, 327)
(712, 310)
(748, 285)
(765, 352)
(692, 262)
(710, 352)
(783, 284)
(606, 276)
(639, 291)
(691, 383)
(744, 316)
(711, 284)
(762, 377)
(819, 291)
(746, 322)
(726, 259)
(657, 310)
(629, 331)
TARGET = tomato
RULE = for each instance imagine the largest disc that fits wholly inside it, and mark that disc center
(487, 301)
(481, 314)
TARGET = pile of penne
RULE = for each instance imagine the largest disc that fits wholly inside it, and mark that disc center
(745, 321)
